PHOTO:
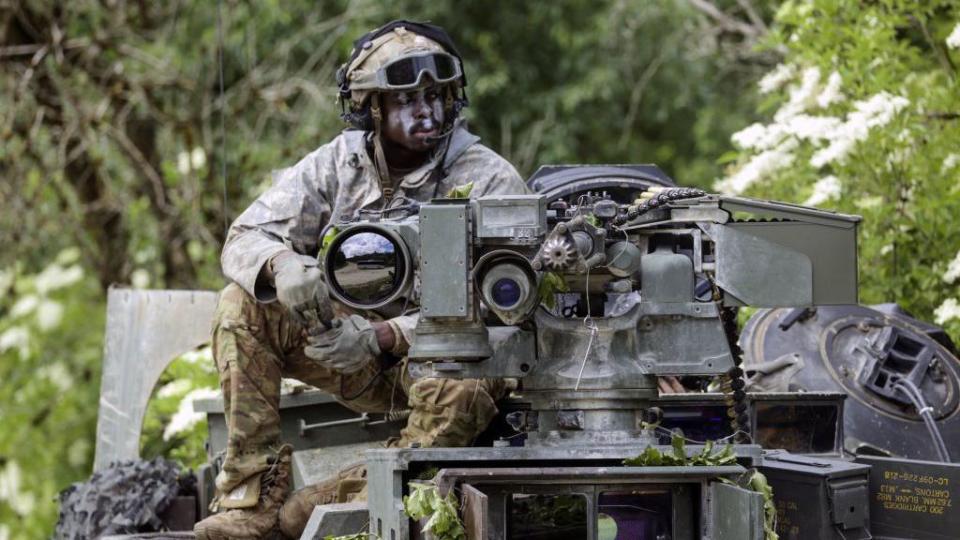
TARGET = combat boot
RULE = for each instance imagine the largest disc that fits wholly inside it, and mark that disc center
(259, 521)
(348, 485)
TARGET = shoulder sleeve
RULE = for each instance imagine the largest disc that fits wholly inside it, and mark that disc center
(289, 215)
(489, 172)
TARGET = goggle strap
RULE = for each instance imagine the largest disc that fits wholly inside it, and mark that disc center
(448, 101)
(379, 157)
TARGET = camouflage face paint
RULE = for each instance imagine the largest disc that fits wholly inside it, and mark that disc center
(412, 122)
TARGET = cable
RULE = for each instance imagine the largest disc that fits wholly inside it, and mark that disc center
(223, 122)
(343, 393)
(587, 323)
(666, 431)
(925, 412)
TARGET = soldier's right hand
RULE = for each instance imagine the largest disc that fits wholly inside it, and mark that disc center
(300, 289)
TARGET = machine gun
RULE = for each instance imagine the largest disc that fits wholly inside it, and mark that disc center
(586, 301)
(648, 290)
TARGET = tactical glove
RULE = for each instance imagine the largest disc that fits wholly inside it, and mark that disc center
(347, 347)
(300, 289)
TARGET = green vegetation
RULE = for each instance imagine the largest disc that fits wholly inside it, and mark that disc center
(425, 502)
(653, 457)
(116, 169)
(863, 116)
(754, 479)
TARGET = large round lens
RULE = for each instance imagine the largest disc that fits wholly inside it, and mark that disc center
(505, 292)
(366, 268)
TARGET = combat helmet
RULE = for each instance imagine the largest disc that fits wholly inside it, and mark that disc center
(400, 55)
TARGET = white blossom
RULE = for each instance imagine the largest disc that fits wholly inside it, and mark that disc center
(78, 452)
(755, 136)
(869, 202)
(831, 92)
(781, 75)
(68, 256)
(9, 480)
(22, 502)
(203, 354)
(140, 278)
(758, 168)
(6, 279)
(25, 305)
(953, 270)
(198, 158)
(174, 388)
(57, 374)
(183, 163)
(876, 111)
(15, 337)
(953, 40)
(191, 161)
(56, 277)
(949, 163)
(811, 128)
(185, 417)
(826, 189)
(948, 310)
(49, 314)
(888, 248)
(802, 96)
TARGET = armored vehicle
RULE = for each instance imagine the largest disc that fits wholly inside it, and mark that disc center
(585, 293)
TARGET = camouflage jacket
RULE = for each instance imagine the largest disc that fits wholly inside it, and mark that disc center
(334, 182)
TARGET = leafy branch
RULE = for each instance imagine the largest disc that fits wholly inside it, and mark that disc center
(425, 502)
(707, 457)
(653, 457)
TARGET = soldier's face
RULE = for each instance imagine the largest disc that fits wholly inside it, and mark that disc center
(413, 119)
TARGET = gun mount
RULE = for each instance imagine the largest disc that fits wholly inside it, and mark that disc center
(587, 303)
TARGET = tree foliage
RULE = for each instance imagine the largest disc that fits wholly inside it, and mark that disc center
(122, 164)
(863, 116)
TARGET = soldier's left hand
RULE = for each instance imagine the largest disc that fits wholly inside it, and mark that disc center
(347, 347)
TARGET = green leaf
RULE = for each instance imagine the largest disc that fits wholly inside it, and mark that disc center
(758, 482)
(460, 192)
(550, 284)
(328, 237)
(679, 449)
(652, 457)
(443, 520)
(356, 536)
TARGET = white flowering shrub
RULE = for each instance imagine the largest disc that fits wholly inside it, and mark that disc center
(863, 117)
(171, 426)
(51, 327)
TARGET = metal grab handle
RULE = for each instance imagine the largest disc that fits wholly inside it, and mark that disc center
(363, 420)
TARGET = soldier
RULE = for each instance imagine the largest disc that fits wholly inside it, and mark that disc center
(403, 89)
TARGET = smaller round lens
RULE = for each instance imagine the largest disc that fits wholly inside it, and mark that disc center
(506, 292)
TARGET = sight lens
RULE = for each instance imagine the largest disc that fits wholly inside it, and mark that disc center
(366, 268)
(506, 292)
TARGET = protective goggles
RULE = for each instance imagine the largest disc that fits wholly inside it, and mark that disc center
(406, 73)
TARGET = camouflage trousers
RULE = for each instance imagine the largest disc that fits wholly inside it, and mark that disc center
(255, 344)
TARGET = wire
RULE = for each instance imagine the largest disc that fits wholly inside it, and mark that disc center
(666, 431)
(343, 393)
(926, 413)
(587, 323)
(223, 122)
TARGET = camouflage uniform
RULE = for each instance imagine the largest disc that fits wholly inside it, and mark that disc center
(256, 342)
